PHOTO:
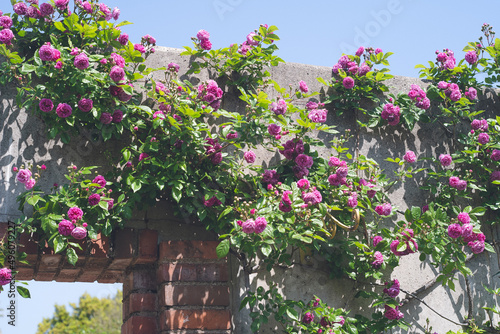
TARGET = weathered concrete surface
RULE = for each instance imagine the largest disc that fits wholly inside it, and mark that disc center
(23, 140)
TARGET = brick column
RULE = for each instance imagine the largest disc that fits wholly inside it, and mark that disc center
(193, 292)
(140, 300)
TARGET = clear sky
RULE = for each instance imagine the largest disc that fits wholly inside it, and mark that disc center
(311, 32)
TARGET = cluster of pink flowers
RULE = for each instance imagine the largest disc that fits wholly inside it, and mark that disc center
(324, 322)
(25, 176)
(270, 177)
(286, 203)
(212, 201)
(406, 238)
(248, 44)
(304, 162)
(5, 276)
(203, 40)
(446, 59)
(456, 183)
(481, 126)
(316, 114)
(249, 157)
(279, 107)
(293, 148)
(349, 66)
(6, 35)
(213, 150)
(452, 91)
(311, 197)
(420, 98)
(49, 53)
(392, 313)
(410, 157)
(471, 57)
(69, 228)
(303, 86)
(370, 184)
(445, 160)
(384, 209)
(308, 318)
(253, 226)
(391, 113)
(340, 171)
(392, 289)
(378, 260)
(274, 130)
(119, 93)
(210, 93)
(464, 229)
(173, 67)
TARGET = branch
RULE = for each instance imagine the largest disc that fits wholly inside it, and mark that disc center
(433, 310)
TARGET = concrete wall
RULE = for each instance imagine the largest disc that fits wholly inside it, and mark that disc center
(23, 139)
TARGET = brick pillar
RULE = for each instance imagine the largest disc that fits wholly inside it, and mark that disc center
(193, 292)
(139, 300)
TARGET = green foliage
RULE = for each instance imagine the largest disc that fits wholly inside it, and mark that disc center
(63, 82)
(245, 65)
(368, 86)
(50, 209)
(90, 315)
(184, 147)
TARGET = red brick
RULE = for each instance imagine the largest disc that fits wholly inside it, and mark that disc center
(195, 319)
(99, 248)
(148, 246)
(89, 276)
(143, 277)
(96, 263)
(125, 242)
(50, 262)
(120, 264)
(25, 274)
(187, 249)
(170, 272)
(44, 276)
(140, 325)
(67, 275)
(142, 302)
(111, 276)
(182, 295)
(212, 272)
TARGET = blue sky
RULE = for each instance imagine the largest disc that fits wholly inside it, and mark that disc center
(312, 32)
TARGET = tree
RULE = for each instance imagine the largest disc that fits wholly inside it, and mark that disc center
(91, 315)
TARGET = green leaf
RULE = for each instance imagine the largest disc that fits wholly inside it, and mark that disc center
(223, 248)
(292, 314)
(136, 185)
(71, 255)
(23, 292)
(59, 244)
(489, 248)
(33, 200)
(177, 194)
(266, 249)
(103, 205)
(27, 68)
(59, 26)
(416, 212)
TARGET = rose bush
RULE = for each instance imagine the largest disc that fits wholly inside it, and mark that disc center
(186, 148)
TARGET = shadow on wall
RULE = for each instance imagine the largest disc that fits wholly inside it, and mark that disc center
(24, 140)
